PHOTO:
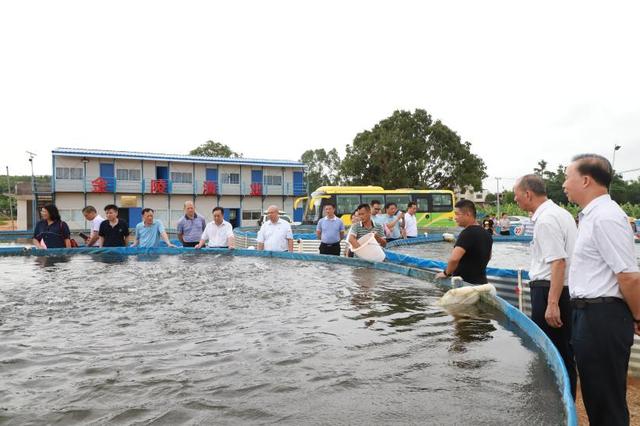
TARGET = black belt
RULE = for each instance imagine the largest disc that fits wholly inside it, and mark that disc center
(581, 303)
(540, 283)
(331, 244)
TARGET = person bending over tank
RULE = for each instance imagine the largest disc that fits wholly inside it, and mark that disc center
(219, 233)
(366, 226)
(92, 216)
(472, 250)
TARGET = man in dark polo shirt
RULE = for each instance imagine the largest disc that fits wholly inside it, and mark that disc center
(472, 250)
(114, 232)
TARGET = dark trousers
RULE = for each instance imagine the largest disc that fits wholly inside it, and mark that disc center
(330, 248)
(561, 337)
(187, 244)
(602, 339)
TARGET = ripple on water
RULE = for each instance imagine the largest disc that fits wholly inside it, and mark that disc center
(217, 339)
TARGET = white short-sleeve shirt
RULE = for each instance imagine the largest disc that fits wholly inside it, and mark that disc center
(410, 225)
(604, 248)
(274, 236)
(95, 227)
(554, 237)
(217, 235)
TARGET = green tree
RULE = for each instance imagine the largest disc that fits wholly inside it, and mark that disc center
(410, 150)
(323, 167)
(214, 149)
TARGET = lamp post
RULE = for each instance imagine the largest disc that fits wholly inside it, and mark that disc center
(613, 163)
(34, 202)
(10, 200)
(498, 196)
(85, 160)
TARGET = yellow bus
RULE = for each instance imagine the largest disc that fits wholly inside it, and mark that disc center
(435, 207)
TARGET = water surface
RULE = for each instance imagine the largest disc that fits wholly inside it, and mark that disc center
(194, 339)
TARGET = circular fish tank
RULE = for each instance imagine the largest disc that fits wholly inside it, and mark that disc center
(223, 339)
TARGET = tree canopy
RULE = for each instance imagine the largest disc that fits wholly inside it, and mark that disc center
(410, 150)
(215, 149)
(323, 167)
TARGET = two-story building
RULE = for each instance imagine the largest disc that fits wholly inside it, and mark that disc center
(135, 180)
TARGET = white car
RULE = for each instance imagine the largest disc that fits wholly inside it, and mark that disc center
(519, 220)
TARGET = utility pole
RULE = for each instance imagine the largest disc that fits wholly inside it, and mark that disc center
(498, 196)
(13, 228)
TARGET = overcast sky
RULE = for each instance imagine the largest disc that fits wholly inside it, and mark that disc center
(521, 81)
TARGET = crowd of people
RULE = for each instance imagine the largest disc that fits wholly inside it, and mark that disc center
(584, 281)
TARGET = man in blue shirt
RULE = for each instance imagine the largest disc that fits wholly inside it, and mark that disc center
(391, 220)
(330, 231)
(149, 231)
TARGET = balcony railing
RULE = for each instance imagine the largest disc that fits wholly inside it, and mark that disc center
(99, 184)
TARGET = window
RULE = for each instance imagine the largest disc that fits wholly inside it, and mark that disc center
(231, 178)
(180, 177)
(400, 200)
(176, 215)
(128, 174)
(251, 214)
(162, 216)
(346, 204)
(74, 173)
(273, 180)
(72, 217)
(442, 202)
(370, 197)
(422, 204)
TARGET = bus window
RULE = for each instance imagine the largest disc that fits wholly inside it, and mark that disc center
(346, 204)
(422, 204)
(400, 200)
(368, 198)
(441, 202)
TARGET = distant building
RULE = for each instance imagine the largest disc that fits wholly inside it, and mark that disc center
(163, 182)
(470, 194)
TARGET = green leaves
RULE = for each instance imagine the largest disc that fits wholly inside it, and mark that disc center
(410, 150)
(214, 149)
(323, 167)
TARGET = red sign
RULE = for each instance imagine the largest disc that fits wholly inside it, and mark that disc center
(209, 187)
(256, 189)
(99, 185)
(158, 186)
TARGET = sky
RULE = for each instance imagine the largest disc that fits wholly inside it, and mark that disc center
(521, 81)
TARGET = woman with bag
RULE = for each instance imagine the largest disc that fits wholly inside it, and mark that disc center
(51, 231)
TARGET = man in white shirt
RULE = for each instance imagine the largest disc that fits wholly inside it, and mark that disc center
(217, 234)
(92, 216)
(410, 221)
(554, 236)
(604, 283)
(275, 234)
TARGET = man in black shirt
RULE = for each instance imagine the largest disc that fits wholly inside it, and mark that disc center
(113, 231)
(472, 250)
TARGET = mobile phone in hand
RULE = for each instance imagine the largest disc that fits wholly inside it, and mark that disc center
(83, 236)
